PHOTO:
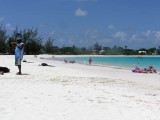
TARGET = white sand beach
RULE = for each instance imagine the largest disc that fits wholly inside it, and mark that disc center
(76, 92)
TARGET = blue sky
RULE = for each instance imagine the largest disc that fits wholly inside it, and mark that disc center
(134, 23)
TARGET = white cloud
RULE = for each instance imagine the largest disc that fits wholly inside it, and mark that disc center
(157, 34)
(147, 33)
(52, 33)
(119, 35)
(1, 18)
(9, 27)
(93, 34)
(145, 39)
(111, 27)
(80, 12)
(133, 37)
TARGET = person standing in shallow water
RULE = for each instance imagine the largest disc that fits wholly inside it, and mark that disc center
(90, 60)
(19, 49)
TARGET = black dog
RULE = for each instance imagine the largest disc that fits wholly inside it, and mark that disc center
(4, 69)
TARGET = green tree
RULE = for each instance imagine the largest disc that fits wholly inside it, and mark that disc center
(56, 50)
(114, 50)
(158, 50)
(3, 40)
(130, 52)
(90, 50)
(30, 38)
(77, 51)
(48, 46)
(125, 50)
(12, 38)
(97, 47)
(107, 50)
(84, 50)
(151, 51)
(33, 42)
(67, 50)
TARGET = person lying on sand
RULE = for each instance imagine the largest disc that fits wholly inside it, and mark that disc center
(72, 61)
(154, 70)
(150, 69)
(45, 64)
(65, 61)
(136, 68)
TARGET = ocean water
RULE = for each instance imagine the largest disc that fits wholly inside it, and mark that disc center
(143, 62)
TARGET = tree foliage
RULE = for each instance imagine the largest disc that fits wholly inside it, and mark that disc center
(3, 40)
(33, 42)
(34, 45)
(97, 47)
(48, 46)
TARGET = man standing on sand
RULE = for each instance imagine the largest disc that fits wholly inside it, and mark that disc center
(19, 49)
(90, 60)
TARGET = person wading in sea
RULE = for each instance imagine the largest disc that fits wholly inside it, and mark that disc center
(90, 60)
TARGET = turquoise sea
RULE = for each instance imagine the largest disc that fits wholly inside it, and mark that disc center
(143, 62)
